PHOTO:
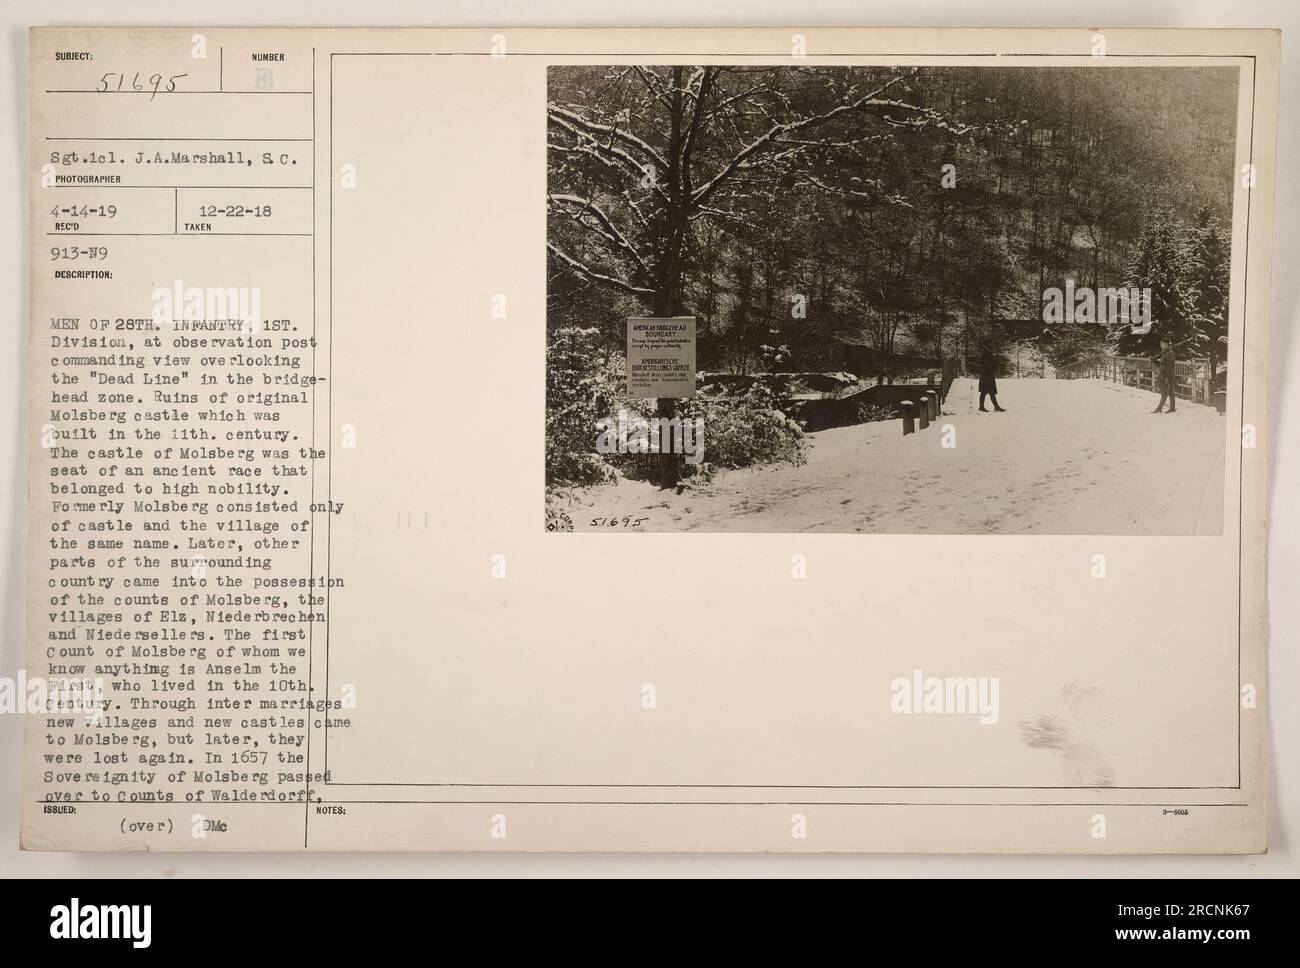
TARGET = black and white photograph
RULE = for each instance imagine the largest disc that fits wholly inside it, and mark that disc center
(914, 299)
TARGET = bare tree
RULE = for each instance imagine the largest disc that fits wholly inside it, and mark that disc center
(662, 148)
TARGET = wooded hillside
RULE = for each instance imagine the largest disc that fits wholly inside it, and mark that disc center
(812, 208)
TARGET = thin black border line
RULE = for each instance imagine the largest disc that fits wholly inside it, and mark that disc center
(169, 93)
(156, 804)
(329, 467)
(694, 58)
(185, 235)
(311, 541)
(255, 188)
(94, 138)
(1241, 453)
(756, 786)
(765, 803)
(779, 60)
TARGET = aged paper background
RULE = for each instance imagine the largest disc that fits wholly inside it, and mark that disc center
(519, 696)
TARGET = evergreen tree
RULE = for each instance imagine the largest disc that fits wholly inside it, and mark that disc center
(1206, 268)
(1156, 265)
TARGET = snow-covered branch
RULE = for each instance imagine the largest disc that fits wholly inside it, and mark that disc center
(611, 232)
(874, 101)
(590, 273)
(575, 120)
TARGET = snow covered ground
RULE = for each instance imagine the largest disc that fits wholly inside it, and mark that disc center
(1068, 457)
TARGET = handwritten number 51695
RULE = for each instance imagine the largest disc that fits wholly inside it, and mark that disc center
(114, 81)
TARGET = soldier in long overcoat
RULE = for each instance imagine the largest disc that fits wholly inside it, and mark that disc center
(1166, 380)
(989, 379)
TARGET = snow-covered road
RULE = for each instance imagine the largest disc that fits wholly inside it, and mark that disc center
(1068, 457)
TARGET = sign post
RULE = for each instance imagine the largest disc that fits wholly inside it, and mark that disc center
(661, 366)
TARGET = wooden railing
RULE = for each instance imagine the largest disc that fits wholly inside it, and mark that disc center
(1191, 377)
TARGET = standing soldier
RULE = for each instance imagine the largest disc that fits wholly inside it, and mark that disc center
(1165, 378)
(989, 379)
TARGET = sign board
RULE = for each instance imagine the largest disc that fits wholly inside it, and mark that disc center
(661, 357)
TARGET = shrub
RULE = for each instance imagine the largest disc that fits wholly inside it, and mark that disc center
(582, 379)
(747, 430)
(872, 412)
(585, 382)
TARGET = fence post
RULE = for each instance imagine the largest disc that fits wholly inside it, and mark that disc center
(932, 401)
(923, 415)
(909, 417)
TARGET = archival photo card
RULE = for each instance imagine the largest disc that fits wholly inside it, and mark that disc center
(917, 380)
